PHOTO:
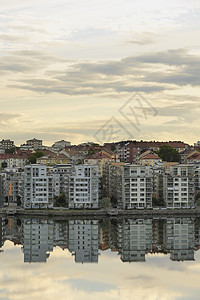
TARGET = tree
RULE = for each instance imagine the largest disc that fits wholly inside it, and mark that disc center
(168, 154)
(33, 157)
(10, 151)
(105, 203)
(19, 201)
(4, 164)
(158, 202)
(60, 200)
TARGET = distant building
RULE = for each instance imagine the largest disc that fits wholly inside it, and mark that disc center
(150, 159)
(60, 145)
(84, 187)
(7, 144)
(35, 143)
(37, 187)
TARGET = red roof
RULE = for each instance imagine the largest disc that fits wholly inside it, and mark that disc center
(151, 156)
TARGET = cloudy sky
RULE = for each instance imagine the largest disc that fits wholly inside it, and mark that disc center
(99, 70)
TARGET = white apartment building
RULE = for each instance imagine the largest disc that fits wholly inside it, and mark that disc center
(179, 187)
(37, 187)
(137, 184)
(84, 187)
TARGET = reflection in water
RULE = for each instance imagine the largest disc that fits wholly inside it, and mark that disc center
(85, 238)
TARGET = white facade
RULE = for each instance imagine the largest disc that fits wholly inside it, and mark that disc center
(179, 187)
(37, 187)
(137, 182)
(84, 187)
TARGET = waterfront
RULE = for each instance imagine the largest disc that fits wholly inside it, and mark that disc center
(153, 258)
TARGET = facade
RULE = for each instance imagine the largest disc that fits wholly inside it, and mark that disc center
(35, 143)
(37, 187)
(179, 187)
(84, 187)
(53, 159)
(136, 187)
(60, 178)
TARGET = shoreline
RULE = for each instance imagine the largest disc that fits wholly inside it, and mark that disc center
(115, 213)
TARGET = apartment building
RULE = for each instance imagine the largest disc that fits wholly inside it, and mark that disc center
(179, 187)
(35, 143)
(84, 187)
(37, 187)
(7, 144)
(136, 187)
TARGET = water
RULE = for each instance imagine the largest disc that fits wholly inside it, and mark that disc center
(100, 259)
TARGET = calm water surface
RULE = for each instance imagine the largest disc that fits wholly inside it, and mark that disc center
(100, 259)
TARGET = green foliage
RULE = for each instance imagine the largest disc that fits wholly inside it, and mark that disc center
(19, 201)
(168, 154)
(91, 152)
(158, 202)
(113, 147)
(4, 164)
(10, 151)
(33, 157)
(105, 203)
(60, 200)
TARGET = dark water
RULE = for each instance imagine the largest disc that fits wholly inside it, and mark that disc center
(100, 259)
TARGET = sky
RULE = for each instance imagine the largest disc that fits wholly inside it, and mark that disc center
(99, 71)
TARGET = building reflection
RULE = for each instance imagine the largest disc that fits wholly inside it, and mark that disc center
(37, 239)
(83, 240)
(133, 239)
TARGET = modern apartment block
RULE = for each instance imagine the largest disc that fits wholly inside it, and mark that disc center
(136, 187)
(37, 187)
(84, 240)
(84, 187)
(134, 239)
(179, 187)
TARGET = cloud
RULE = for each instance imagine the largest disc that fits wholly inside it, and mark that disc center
(148, 73)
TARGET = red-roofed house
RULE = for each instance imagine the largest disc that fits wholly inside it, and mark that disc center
(150, 159)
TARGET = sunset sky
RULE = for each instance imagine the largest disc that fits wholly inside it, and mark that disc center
(76, 70)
